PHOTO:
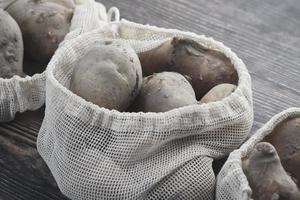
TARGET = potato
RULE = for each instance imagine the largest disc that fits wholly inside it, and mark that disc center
(157, 59)
(109, 75)
(44, 25)
(286, 139)
(266, 176)
(206, 67)
(11, 46)
(218, 92)
(163, 92)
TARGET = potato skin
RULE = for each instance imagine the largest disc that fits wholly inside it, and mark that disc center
(164, 91)
(266, 176)
(206, 67)
(286, 139)
(157, 59)
(11, 46)
(109, 75)
(44, 25)
(218, 92)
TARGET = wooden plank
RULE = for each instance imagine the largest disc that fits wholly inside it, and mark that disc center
(23, 173)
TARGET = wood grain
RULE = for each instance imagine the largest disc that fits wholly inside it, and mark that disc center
(265, 34)
(23, 173)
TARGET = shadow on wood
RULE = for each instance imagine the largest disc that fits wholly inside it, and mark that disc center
(23, 173)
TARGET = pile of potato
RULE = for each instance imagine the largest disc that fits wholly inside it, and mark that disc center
(179, 72)
(273, 167)
(33, 28)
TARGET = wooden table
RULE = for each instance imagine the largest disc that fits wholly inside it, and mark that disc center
(265, 34)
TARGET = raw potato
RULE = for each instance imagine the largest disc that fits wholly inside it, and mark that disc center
(286, 139)
(266, 176)
(218, 92)
(163, 92)
(156, 60)
(206, 67)
(44, 25)
(11, 46)
(109, 75)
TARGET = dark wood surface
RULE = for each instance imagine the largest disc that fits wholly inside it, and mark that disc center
(265, 34)
(23, 173)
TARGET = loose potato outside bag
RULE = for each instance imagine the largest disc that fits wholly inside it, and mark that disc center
(232, 183)
(20, 94)
(96, 153)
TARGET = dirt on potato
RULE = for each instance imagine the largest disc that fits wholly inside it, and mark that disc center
(44, 25)
(266, 176)
(11, 46)
(108, 75)
(285, 137)
(162, 92)
(206, 67)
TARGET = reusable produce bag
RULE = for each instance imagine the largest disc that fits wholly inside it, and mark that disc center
(20, 94)
(232, 183)
(96, 153)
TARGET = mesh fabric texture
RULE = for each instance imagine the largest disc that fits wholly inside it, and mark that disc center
(20, 94)
(232, 183)
(96, 153)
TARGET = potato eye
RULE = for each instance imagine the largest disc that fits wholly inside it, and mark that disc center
(3, 43)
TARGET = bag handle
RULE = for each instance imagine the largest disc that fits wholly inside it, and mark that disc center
(113, 11)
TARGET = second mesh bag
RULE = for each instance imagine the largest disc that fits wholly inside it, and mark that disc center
(96, 153)
(20, 94)
(232, 183)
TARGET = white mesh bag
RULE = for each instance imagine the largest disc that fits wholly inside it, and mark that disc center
(20, 94)
(96, 153)
(232, 183)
